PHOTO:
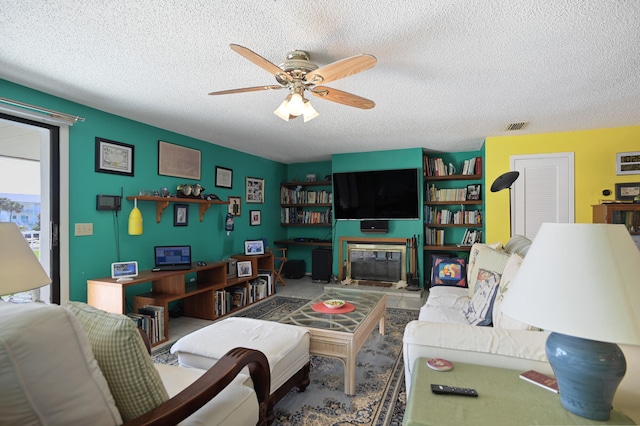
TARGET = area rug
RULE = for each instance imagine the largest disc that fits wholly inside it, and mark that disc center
(380, 390)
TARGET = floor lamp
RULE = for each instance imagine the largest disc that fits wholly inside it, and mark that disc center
(505, 181)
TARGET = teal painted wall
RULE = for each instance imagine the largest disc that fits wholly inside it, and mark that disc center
(379, 160)
(91, 256)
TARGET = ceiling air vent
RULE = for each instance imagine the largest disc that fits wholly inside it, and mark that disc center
(516, 126)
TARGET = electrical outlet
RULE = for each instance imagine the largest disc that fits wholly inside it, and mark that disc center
(83, 229)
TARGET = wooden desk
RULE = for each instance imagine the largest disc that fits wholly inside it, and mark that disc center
(503, 399)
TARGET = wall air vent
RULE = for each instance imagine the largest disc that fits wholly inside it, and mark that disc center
(516, 126)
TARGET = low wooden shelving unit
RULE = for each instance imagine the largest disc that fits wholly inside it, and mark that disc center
(199, 297)
(163, 202)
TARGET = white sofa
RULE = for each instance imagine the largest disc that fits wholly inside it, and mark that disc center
(444, 331)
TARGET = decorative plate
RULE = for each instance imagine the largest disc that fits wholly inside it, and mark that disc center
(334, 303)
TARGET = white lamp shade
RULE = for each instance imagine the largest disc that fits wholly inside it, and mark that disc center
(581, 280)
(20, 270)
(309, 112)
(296, 105)
(283, 110)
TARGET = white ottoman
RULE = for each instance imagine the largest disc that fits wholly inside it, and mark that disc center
(285, 346)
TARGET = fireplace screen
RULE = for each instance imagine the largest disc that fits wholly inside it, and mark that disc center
(376, 262)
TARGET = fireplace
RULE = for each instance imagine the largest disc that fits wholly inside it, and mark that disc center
(376, 264)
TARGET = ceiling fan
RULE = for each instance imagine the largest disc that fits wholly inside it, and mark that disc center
(298, 74)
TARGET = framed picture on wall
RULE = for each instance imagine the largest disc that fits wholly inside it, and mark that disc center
(628, 163)
(234, 206)
(255, 216)
(224, 177)
(180, 214)
(114, 157)
(255, 190)
(627, 191)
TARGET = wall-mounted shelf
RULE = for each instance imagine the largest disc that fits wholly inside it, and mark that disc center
(163, 202)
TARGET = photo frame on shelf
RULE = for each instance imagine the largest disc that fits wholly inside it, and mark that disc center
(255, 190)
(224, 177)
(180, 214)
(178, 161)
(627, 191)
(235, 206)
(628, 163)
(255, 217)
(473, 192)
(252, 247)
(244, 268)
(114, 157)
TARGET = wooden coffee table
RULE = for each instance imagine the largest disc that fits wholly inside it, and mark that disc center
(341, 336)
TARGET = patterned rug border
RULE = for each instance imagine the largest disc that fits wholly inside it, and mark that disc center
(390, 410)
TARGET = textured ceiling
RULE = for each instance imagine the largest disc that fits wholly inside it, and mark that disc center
(449, 73)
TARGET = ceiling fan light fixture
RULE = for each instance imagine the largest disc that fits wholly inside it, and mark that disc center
(296, 105)
(283, 110)
(309, 112)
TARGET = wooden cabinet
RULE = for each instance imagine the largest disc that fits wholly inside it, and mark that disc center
(306, 203)
(201, 297)
(624, 213)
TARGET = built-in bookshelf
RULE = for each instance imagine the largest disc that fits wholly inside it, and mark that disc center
(306, 203)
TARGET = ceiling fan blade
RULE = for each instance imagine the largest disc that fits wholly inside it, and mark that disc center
(342, 68)
(341, 97)
(246, 89)
(259, 61)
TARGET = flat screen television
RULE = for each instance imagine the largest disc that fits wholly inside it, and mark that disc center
(379, 194)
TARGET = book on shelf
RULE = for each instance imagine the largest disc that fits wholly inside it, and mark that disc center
(542, 380)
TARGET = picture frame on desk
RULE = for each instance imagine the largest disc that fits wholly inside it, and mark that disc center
(244, 269)
(627, 191)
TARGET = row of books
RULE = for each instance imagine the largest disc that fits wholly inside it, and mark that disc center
(437, 167)
(434, 216)
(630, 219)
(151, 320)
(471, 236)
(295, 215)
(232, 298)
(446, 194)
(291, 196)
(434, 237)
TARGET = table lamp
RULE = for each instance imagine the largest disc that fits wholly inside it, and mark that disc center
(20, 270)
(582, 283)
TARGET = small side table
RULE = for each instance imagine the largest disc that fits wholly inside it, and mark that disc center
(503, 399)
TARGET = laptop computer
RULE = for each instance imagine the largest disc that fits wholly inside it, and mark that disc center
(172, 258)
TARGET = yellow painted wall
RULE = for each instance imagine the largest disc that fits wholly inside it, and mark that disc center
(595, 160)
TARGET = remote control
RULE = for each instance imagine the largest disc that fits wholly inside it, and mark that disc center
(449, 390)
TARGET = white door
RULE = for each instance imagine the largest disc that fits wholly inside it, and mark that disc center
(544, 191)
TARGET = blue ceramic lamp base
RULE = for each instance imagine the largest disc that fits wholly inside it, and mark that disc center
(588, 373)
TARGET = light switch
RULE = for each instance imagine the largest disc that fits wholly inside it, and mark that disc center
(83, 229)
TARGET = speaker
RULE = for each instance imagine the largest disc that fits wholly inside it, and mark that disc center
(321, 262)
(293, 269)
(377, 226)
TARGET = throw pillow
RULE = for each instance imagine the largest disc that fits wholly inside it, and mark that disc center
(123, 358)
(482, 256)
(501, 320)
(449, 271)
(480, 306)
